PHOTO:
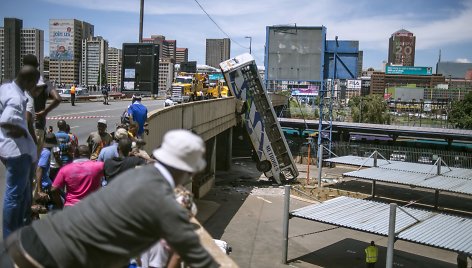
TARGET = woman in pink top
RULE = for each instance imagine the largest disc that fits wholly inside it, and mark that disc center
(81, 177)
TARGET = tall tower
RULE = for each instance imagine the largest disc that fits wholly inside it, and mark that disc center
(94, 61)
(65, 48)
(114, 66)
(11, 48)
(217, 51)
(401, 48)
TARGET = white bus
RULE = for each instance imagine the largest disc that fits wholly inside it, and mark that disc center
(259, 118)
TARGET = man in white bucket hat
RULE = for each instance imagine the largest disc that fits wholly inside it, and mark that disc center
(119, 222)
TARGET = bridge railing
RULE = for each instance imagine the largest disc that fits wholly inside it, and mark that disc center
(207, 118)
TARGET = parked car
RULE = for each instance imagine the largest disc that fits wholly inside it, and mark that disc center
(65, 93)
(425, 158)
(398, 156)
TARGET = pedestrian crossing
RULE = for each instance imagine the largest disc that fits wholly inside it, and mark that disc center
(78, 117)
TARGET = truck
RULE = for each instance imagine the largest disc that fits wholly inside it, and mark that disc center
(217, 87)
(188, 87)
(259, 119)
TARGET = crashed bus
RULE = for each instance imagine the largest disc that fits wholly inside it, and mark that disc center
(259, 118)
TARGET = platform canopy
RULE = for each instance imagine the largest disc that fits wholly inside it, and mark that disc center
(414, 225)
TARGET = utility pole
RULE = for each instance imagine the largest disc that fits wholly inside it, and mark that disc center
(250, 43)
(141, 15)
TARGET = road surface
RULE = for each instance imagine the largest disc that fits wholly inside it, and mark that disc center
(82, 119)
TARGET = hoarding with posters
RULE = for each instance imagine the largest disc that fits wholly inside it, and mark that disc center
(61, 39)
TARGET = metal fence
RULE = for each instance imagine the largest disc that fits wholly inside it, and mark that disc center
(391, 152)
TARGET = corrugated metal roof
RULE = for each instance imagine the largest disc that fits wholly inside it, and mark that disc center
(357, 161)
(439, 182)
(436, 230)
(403, 166)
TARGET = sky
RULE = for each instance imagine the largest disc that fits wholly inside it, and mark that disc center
(437, 24)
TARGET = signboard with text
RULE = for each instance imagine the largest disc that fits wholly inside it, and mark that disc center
(409, 70)
(354, 84)
(61, 36)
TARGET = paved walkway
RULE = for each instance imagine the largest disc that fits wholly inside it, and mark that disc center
(246, 210)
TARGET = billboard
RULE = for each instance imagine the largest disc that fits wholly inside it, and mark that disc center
(295, 53)
(408, 70)
(354, 84)
(311, 90)
(346, 61)
(61, 39)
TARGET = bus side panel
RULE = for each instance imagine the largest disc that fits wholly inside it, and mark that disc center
(253, 122)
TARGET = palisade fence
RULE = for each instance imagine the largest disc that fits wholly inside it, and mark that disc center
(392, 152)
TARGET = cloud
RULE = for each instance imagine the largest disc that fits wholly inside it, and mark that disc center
(370, 22)
(463, 60)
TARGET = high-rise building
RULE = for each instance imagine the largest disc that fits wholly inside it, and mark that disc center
(181, 55)
(360, 62)
(65, 49)
(46, 68)
(15, 42)
(166, 76)
(114, 66)
(167, 48)
(94, 61)
(11, 47)
(217, 51)
(401, 48)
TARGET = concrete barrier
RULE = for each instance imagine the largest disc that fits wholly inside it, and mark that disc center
(207, 118)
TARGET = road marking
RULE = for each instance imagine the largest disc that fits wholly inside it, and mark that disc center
(103, 110)
(78, 117)
(74, 127)
(263, 199)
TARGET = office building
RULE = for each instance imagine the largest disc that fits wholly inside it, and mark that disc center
(380, 81)
(15, 42)
(401, 48)
(65, 49)
(94, 61)
(181, 55)
(46, 68)
(167, 48)
(114, 67)
(217, 51)
(166, 76)
(360, 62)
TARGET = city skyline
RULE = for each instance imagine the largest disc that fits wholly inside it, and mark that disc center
(436, 24)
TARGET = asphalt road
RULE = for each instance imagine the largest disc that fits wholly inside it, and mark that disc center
(82, 119)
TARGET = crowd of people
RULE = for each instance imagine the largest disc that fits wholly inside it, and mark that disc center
(114, 200)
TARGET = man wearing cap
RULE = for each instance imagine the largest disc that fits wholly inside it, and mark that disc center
(112, 150)
(17, 149)
(112, 225)
(99, 139)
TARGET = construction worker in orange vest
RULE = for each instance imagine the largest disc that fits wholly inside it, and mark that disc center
(371, 255)
(72, 95)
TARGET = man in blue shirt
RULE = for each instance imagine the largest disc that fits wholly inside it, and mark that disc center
(138, 113)
(17, 149)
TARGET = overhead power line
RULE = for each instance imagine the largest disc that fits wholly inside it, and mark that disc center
(221, 29)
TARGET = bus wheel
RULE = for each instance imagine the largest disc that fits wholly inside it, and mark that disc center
(264, 166)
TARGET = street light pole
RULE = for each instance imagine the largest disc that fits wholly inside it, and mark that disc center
(250, 43)
(141, 15)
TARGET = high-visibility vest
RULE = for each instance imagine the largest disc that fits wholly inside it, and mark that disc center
(371, 253)
(72, 90)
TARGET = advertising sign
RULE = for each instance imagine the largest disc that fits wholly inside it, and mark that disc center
(354, 84)
(61, 36)
(409, 70)
(310, 91)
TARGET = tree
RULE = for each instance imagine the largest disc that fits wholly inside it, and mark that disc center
(370, 109)
(461, 113)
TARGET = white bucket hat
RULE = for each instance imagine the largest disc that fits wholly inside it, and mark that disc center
(183, 150)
